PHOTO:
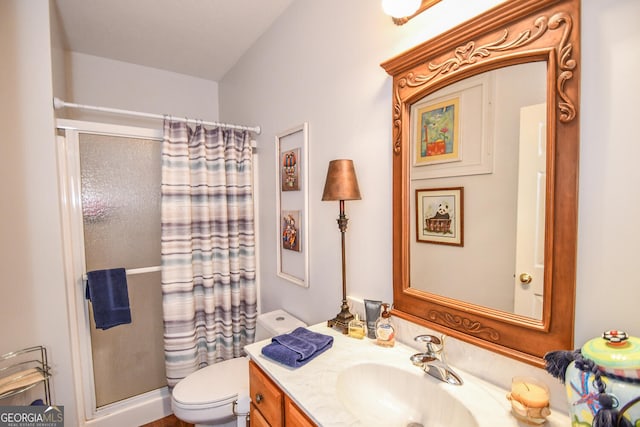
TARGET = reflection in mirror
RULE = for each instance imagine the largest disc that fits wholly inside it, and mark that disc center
(463, 92)
(502, 169)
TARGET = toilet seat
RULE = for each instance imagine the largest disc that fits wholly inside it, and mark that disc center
(216, 385)
(219, 393)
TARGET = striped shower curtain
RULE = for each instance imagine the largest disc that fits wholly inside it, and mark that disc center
(208, 246)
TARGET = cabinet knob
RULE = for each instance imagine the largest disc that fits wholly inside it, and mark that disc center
(259, 398)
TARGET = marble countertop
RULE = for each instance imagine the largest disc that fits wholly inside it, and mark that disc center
(313, 386)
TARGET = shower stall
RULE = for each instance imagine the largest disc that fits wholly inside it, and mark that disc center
(109, 180)
(110, 184)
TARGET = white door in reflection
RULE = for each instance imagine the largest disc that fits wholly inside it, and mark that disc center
(529, 269)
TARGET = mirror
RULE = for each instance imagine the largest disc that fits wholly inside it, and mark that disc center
(477, 110)
(500, 168)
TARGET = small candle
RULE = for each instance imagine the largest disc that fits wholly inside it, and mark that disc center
(529, 392)
(529, 400)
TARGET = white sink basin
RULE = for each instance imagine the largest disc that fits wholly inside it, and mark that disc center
(385, 395)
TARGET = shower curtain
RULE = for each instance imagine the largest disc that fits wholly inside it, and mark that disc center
(208, 246)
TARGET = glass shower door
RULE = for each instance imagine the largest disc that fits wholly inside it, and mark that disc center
(120, 192)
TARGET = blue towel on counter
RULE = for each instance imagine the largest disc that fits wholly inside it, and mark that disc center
(297, 348)
(107, 290)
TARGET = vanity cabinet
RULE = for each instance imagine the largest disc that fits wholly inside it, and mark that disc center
(293, 416)
(270, 406)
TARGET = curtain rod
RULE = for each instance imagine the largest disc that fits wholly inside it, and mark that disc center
(58, 104)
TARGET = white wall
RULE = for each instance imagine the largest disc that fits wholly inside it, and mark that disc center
(33, 300)
(105, 82)
(609, 243)
(320, 64)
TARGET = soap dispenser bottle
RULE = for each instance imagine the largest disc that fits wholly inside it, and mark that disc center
(385, 330)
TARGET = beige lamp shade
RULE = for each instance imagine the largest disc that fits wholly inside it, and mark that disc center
(341, 182)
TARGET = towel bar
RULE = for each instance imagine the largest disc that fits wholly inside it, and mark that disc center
(133, 271)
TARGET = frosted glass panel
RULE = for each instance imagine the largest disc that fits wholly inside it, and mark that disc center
(129, 359)
(120, 179)
(120, 182)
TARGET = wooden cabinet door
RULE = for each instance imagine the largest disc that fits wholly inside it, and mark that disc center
(256, 419)
(293, 416)
(266, 396)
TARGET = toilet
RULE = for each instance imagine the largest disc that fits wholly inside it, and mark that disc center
(218, 395)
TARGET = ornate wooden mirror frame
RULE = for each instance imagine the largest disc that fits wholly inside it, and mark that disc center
(515, 32)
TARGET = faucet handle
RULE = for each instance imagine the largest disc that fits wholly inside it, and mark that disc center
(422, 359)
(433, 343)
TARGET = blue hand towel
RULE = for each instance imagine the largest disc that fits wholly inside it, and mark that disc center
(297, 348)
(107, 290)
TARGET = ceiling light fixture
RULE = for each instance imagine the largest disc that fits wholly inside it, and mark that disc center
(400, 8)
(401, 11)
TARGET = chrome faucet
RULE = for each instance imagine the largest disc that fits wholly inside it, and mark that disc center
(433, 361)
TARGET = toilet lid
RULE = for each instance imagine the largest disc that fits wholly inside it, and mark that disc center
(219, 382)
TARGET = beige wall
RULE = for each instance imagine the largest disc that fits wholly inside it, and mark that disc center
(33, 306)
(33, 301)
(58, 55)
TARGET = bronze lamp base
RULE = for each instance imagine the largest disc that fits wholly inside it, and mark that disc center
(342, 319)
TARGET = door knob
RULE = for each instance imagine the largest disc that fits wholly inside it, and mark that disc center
(525, 278)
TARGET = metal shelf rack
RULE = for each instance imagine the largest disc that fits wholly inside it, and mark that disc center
(23, 370)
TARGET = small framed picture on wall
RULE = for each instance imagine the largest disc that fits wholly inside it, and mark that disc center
(439, 216)
(290, 172)
(438, 132)
(291, 235)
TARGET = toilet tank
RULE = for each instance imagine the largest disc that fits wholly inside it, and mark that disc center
(274, 323)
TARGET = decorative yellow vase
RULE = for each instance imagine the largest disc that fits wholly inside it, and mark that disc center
(617, 356)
